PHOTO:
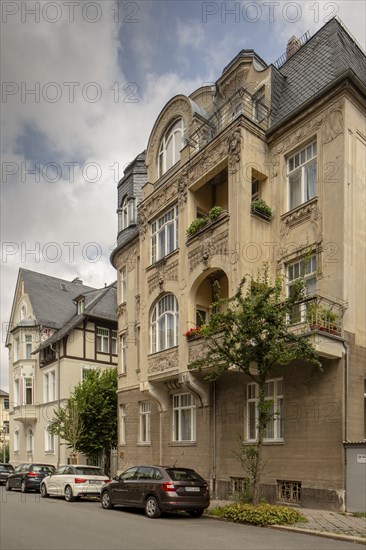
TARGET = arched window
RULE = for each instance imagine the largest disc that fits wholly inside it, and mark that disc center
(127, 213)
(164, 323)
(170, 147)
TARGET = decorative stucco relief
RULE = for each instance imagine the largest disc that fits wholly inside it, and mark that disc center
(154, 203)
(163, 361)
(326, 119)
(196, 350)
(164, 273)
(234, 149)
(210, 245)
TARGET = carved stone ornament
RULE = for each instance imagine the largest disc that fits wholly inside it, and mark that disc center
(329, 117)
(211, 245)
(333, 125)
(163, 361)
(302, 214)
(163, 274)
(182, 189)
(121, 309)
(234, 149)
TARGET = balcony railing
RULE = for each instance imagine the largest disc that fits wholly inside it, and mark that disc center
(318, 313)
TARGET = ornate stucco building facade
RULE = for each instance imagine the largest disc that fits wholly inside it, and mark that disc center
(291, 137)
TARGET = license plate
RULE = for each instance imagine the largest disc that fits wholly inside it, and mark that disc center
(192, 489)
(95, 482)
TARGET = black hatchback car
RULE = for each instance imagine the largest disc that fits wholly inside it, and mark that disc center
(5, 470)
(28, 477)
(158, 489)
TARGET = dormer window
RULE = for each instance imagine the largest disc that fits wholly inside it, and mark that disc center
(170, 147)
(81, 305)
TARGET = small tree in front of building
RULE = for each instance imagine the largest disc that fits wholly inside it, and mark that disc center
(88, 423)
(251, 332)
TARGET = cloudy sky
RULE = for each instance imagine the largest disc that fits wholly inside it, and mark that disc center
(82, 84)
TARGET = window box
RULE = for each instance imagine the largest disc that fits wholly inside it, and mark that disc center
(214, 214)
(260, 208)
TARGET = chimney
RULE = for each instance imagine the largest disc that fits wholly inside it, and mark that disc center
(292, 46)
(77, 281)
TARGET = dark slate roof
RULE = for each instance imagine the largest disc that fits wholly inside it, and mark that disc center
(51, 305)
(315, 66)
(100, 304)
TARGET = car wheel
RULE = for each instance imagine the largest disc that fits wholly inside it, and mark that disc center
(152, 509)
(69, 497)
(196, 513)
(7, 486)
(43, 491)
(23, 486)
(106, 501)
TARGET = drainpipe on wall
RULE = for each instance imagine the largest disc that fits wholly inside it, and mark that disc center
(58, 399)
(214, 441)
(345, 429)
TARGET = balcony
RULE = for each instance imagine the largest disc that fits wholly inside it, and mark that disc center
(163, 364)
(25, 413)
(210, 240)
(321, 318)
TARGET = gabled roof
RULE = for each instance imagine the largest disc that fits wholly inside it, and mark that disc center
(327, 56)
(51, 297)
(99, 304)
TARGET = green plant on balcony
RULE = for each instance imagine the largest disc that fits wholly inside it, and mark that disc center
(259, 206)
(197, 224)
(321, 318)
(215, 212)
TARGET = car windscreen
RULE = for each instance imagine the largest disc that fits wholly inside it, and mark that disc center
(43, 469)
(88, 471)
(6, 468)
(181, 474)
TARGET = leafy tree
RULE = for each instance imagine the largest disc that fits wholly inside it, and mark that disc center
(251, 332)
(89, 421)
(68, 424)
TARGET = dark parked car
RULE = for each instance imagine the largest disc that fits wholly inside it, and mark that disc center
(27, 477)
(158, 489)
(5, 470)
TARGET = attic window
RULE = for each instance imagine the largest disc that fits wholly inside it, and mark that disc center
(63, 287)
(81, 305)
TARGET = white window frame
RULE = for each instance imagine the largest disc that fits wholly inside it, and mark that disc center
(28, 386)
(122, 341)
(16, 349)
(84, 370)
(28, 346)
(145, 422)
(274, 393)
(164, 323)
(126, 213)
(49, 441)
(102, 340)
(81, 306)
(114, 342)
(173, 137)
(16, 392)
(49, 386)
(123, 285)
(301, 164)
(164, 234)
(184, 403)
(306, 268)
(123, 417)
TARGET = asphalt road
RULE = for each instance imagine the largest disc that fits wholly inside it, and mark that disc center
(31, 523)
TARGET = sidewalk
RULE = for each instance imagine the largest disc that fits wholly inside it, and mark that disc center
(324, 523)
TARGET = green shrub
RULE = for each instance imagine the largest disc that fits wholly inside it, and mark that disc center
(263, 514)
(196, 225)
(215, 212)
(259, 205)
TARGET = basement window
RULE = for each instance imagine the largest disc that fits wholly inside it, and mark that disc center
(289, 491)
